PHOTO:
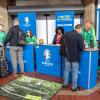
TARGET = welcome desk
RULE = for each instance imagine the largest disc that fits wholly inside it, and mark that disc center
(47, 60)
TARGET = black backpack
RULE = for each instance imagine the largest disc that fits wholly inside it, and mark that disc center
(22, 38)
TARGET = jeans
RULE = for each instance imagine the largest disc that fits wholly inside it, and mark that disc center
(17, 57)
(71, 66)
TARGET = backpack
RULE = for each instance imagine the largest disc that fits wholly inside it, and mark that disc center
(22, 38)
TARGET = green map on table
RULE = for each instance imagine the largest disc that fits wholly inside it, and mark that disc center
(28, 88)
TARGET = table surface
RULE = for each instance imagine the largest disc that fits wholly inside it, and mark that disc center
(89, 49)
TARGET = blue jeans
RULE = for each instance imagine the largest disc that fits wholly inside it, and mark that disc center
(17, 57)
(74, 66)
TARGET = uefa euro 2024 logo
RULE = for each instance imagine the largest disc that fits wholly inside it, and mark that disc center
(47, 54)
(27, 20)
(47, 57)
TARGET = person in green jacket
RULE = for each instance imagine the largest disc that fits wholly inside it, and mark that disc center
(30, 38)
(88, 34)
(2, 35)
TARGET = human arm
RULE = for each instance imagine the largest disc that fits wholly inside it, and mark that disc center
(81, 44)
(93, 38)
(8, 37)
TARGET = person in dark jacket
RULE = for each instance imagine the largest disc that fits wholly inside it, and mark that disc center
(58, 38)
(74, 44)
(16, 50)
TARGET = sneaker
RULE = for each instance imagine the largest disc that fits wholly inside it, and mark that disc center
(65, 86)
(76, 89)
(15, 75)
(21, 74)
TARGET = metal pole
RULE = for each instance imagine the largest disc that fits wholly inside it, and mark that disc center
(46, 15)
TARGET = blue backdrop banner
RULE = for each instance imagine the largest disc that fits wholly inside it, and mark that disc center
(98, 24)
(27, 22)
(65, 20)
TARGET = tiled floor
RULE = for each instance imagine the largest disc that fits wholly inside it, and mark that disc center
(62, 94)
